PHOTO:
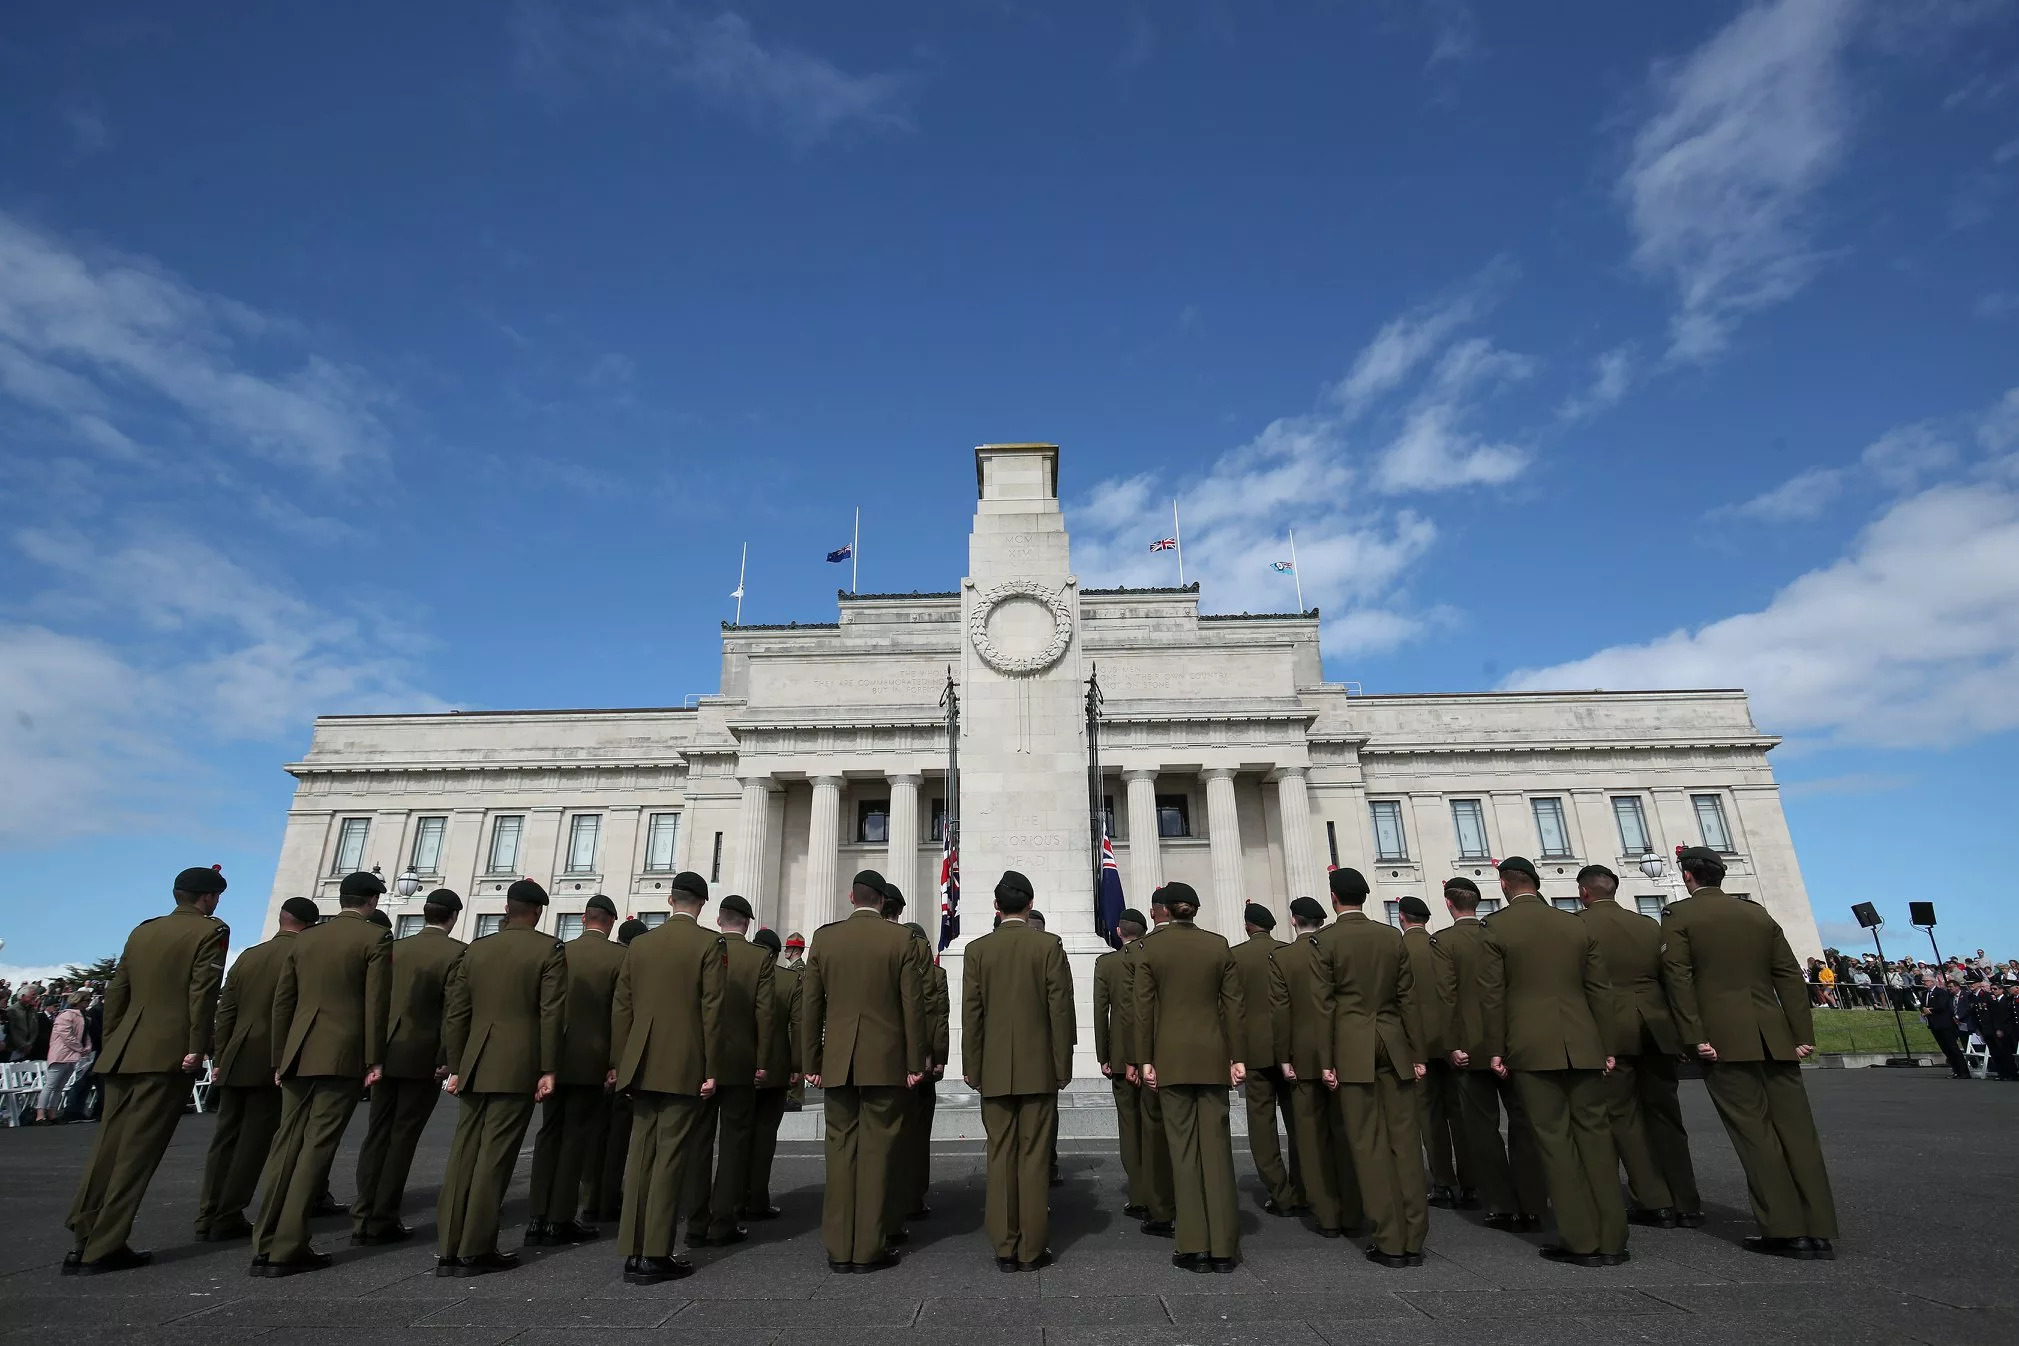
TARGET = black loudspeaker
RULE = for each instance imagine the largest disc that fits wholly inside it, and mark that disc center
(1921, 914)
(1867, 914)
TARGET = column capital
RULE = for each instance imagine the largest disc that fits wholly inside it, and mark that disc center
(764, 783)
(1139, 773)
(1283, 773)
(827, 781)
(1213, 773)
(911, 778)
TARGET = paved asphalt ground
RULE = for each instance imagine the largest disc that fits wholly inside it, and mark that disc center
(1926, 1172)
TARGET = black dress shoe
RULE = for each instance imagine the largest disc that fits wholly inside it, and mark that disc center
(1618, 1259)
(72, 1260)
(1661, 1217)
(1381, 1259)
(1038, 1263)
(1162, 1228)
(735, 1234)
(327, 1205)
(483, 1264)
(1690, 1219)
(1136, 1212)
(840, 1268)
(924, 1212)
(655, 1270)
(121, 1258)
(765, 1213)
(895, 1237)
(258, 1268)
(1357, 1229)
(568, 1232)
(1008, 1264)
(883, 1263)
(226, 1231)
(1325, 1233)
(537, 1235)
(1821, 1251)
(448, 1266)
(1558, 1253)
(1271, 1206)
(295, 1266)
(1443, 1198)
(1223, 1265)
(1192, 1262)
(1509, 1223)
(1773, 1247)
(1468, 1199)
(373, 1238)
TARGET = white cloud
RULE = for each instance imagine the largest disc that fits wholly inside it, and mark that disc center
(1896, 461)
(1454, 32)
(1803, 496)
(1403, 344)
(1852, 783)
(1611, 377)
(1434, 452)
(1721, 178)
(18, 976)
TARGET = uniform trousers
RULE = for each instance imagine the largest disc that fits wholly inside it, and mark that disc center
(247, 1117)
(1951, 1043)
(1158, 1184)
(1379, 1121)
(481, 1158)
(314, 1111)
(1202, 1168)
(1129, 1125)
(770, 1115)
(573, 1120)
(1021, 1130)
(1568, 1115)
(1508, 1189)
(862, 1127)
(903, 1162)
(1437, 1118)
(1647, 1126)
(1267, 1094)
(1765, 1110)
(134, 1129)
(919, 1163)
(721, 1175)
(603, 1175)
(1331, 1185)
(399, 1113)
(665, 1143)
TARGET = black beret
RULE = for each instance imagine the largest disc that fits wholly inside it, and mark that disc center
(1463, 884)
(1415, 908)
(1130, 916)
(1348, 885)
(1703, 853)
(734, 905)
(687, 881)
(362, 885)
(768, 939)
(868, 878)
(1015, 883)
(1597, 872)
(1517, 864)
(379, 919)
(527, 891)
(598, 902)
(893, 894)
(630, 930)
(200, 881)
(1177, 894)
(1256, 914)
(302, 909)
(1306, 909)
(917, 930)
(443, 897)
(1157, 896)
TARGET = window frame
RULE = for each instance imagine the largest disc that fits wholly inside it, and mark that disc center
(1717, 808)
(338, 867)
(1535, 810)
(408, 924)
(1181, 806)
(433, 868)
(652, 827)
(1332, 842)
(865, 810)
(1393, 911)
(563, 930)
(1478, 807)
(1660, 900)
(575, 826)
(1489, 905)
(1375, 808)
(511, 865)
(1639, 811)
(488, 923)
(715, 861)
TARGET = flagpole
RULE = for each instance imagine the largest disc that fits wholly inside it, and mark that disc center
(741, 567)
(1179, 538)
(855, 551)
(1295, 573)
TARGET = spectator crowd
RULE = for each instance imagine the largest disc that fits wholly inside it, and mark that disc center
(58, 1022)
(1960, 998)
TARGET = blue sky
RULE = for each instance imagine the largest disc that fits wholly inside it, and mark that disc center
(396, 357)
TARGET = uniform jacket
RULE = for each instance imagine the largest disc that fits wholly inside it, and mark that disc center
(1374, 1014)
(938, 1010)
(334, 998)
(746, 1011)
(1111, 1010)
(1189, 1005)
(1016, 1012)
(1429, 1009)
(778, 1055)
(507, 1012)
(666, 1018)
(421, 964)
(1460, 950)
(1266, 1000)
(244, 1057)
(1543, 989)
(1307, 987)
(1941, 1008)
(594, 960)
(1631, 945)
(862, 1002)
(162, 1004)
(1732, 980)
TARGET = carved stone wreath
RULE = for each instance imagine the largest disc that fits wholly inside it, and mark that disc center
(1062, 627)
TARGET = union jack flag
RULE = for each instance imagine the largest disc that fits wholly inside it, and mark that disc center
(949, 892)
(1164, 544)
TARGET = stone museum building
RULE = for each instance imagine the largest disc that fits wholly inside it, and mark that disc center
(1226, 760)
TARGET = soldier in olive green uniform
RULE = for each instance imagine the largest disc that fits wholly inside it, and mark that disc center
(910, 1202)
(1330, 1184)
(1377, 1065)
(864, 1021)
(1267, 1001)
(778, 1059)
(248, 1101)
(1741, 1005)
(329, 1035)
(1549, 1015)
(795, 962)
(609, 1150)
(665, 1041)
(160, 1011)
(1647, 1123)
(718, 1187)
(1437, 1099)
(576, 1116)
(410, 1082)
(1192, 1018)
(1017, 1050)
(502, 1035)
(1114, 1034)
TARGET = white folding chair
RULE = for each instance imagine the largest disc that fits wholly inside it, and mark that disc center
(199, 1092)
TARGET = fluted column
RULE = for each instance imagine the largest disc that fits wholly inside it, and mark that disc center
(823, 835)
(1146, 853)
(1223, 831)
(753, 847)
(1293, 802)
(901, 864)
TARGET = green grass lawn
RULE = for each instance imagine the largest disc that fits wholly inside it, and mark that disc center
(1863, 1030)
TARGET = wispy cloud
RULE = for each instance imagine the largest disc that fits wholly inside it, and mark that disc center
(1611, 378)
(1720, 186)
(718, 60)
(1405, 342)
(1898, 460)
(1454, 32)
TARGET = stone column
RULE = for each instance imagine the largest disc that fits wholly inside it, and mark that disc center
(1293, 802)
(1229, 898)
(753, 845)
(823, 835)
(1146, 855)
(901, 865)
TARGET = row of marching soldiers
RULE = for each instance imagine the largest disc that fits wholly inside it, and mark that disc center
(1381, 1048)
(638, 1050)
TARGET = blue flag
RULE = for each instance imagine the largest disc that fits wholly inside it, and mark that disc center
(842, 553)
(1108, 902)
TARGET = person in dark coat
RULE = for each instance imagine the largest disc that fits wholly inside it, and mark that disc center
(1940, 1012)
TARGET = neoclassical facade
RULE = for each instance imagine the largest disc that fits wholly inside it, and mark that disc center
(1227, 761)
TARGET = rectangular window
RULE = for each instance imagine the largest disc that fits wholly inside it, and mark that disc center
(1570, 904)
(1633, 838)
(1489, 905)
(490, 925)
(407, 925)
(872, 821)
(1332, 842)
(1390, 842)
(1108, 815)
(652, 920)
(1711, 818)
(1551, 830)
(583, 831)
(715, 863)
(505, 830)
(1174, 815)
(1650, 906)
(1394, 911)
(427, 856)
(660, 834)
(568, 927)
(1470, 820)
(938, 821)
(350, 853)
